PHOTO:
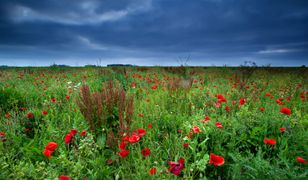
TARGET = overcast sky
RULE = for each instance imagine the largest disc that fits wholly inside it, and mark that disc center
(153, 32)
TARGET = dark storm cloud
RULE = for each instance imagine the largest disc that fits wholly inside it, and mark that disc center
(149, 32)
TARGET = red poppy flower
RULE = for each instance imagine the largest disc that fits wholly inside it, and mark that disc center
(221, 101)
(123, 153)
(279, 102)
(196, 129)
(282, 129)
(62, 177)
(285, 111)
(53, 100)
(51, 146)
(242, 101)
(47, 153)
(303, 97)
(268, 94)
(227, 108)
(176, 167)
(145, 152)
(206, 118)
(125, 138)
(2, 134)
(181, 160)
(185, 145)
(83, 133)
(221, 98)
(134, 138)
(67, 96)
(30, 115)
(23, 108)
(141, 132)
(216, 160)
(49, 149)
(154, 87)
(150, 126)
(270, 141)
(8, 115)
(301, 160)
(133, 85)
(219, 125)
(190, 135)
(152, 171)
(122, 145)
(45, 112)
(68, 138)
(261, 109)
(73, 131)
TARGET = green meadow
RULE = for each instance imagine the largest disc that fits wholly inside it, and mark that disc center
(154, 123)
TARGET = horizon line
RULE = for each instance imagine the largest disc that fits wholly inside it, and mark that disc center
(128, 65)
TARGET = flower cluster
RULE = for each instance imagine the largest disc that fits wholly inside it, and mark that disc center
(221, 98)
(50, 148)
(70, 136)
(134, 138)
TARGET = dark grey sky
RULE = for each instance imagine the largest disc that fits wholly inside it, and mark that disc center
(153, 32)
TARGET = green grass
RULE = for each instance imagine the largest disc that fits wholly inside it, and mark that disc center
(172, 109)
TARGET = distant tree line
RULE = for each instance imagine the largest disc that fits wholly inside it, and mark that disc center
(115, 65)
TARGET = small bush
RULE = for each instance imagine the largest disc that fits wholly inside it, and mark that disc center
(108, 113)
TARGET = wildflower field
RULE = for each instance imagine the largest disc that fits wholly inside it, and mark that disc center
(153, 123)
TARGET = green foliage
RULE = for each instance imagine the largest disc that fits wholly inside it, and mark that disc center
(168, 113)
(11, 100)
